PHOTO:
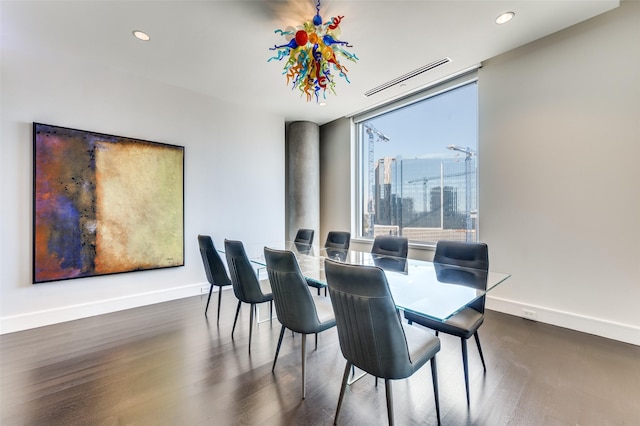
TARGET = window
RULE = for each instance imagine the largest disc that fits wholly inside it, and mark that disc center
(417, 163)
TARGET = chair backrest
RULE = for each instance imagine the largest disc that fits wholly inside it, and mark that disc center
(461, 253)
(213, 265)
(469, 255)
(243, 276)
(338, 240)
(390, 245)
(304, 236)
(294, 304)
(337, 245)
(369, 330)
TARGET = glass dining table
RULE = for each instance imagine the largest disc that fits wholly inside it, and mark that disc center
(426, 288)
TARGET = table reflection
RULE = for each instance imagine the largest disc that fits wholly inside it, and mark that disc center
(388, 263)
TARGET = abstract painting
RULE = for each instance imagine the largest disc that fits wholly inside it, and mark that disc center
(104, 204)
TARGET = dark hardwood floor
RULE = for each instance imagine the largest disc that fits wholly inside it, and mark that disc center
(166, 364)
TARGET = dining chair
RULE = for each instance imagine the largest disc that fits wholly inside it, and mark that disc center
(303, 240)
(338, 240)
(336, 247)
(390, 245)
(246, 285)
(390, 252)
(370, 332)
(214, 269)
(465, 323)
(304, 236)
(295, 307)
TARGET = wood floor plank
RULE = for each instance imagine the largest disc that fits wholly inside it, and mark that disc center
(168, 364)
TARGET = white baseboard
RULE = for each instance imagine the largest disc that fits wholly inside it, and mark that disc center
(599, 327)
(609, 329)
(30, 320)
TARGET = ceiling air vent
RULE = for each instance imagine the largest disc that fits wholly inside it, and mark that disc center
(407, 76)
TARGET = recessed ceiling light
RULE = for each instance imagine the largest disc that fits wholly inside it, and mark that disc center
(322, 104)
(505, 17)
(141, 35)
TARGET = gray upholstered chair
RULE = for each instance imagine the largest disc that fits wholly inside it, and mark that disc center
(336, 247)
(390, 252)
(214, 269)
(465, 323)
(390, 245)
(295, 307)
(370, 332)
(246, 285)
(303, 241)
(304, 236)
(338, 240)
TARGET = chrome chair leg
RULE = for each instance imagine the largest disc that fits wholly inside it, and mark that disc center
(343, 387)
(480, 349)
(465, 365)
(235, 320)
(251, 317)
(219, 302)
(434, 378)
(304, 369)
(208, 300)
(278, 348)
(389, 392)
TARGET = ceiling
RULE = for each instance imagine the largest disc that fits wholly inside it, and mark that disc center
(221, 48)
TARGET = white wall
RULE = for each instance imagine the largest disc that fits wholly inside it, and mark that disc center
(559, 174)
(234, 178)
(559, 164)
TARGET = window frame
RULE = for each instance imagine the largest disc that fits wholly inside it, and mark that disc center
(439, 87)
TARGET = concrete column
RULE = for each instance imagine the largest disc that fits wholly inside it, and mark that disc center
(303, 178)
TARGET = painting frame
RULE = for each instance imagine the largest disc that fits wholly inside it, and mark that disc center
(104, 204)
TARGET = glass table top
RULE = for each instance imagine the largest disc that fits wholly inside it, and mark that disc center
(432, 289)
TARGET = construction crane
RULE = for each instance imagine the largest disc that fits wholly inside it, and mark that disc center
(467, 191)
(374, 135)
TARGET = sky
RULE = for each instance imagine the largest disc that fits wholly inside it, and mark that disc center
(426, 128)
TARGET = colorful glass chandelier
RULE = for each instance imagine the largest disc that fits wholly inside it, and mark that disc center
(312, 51)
